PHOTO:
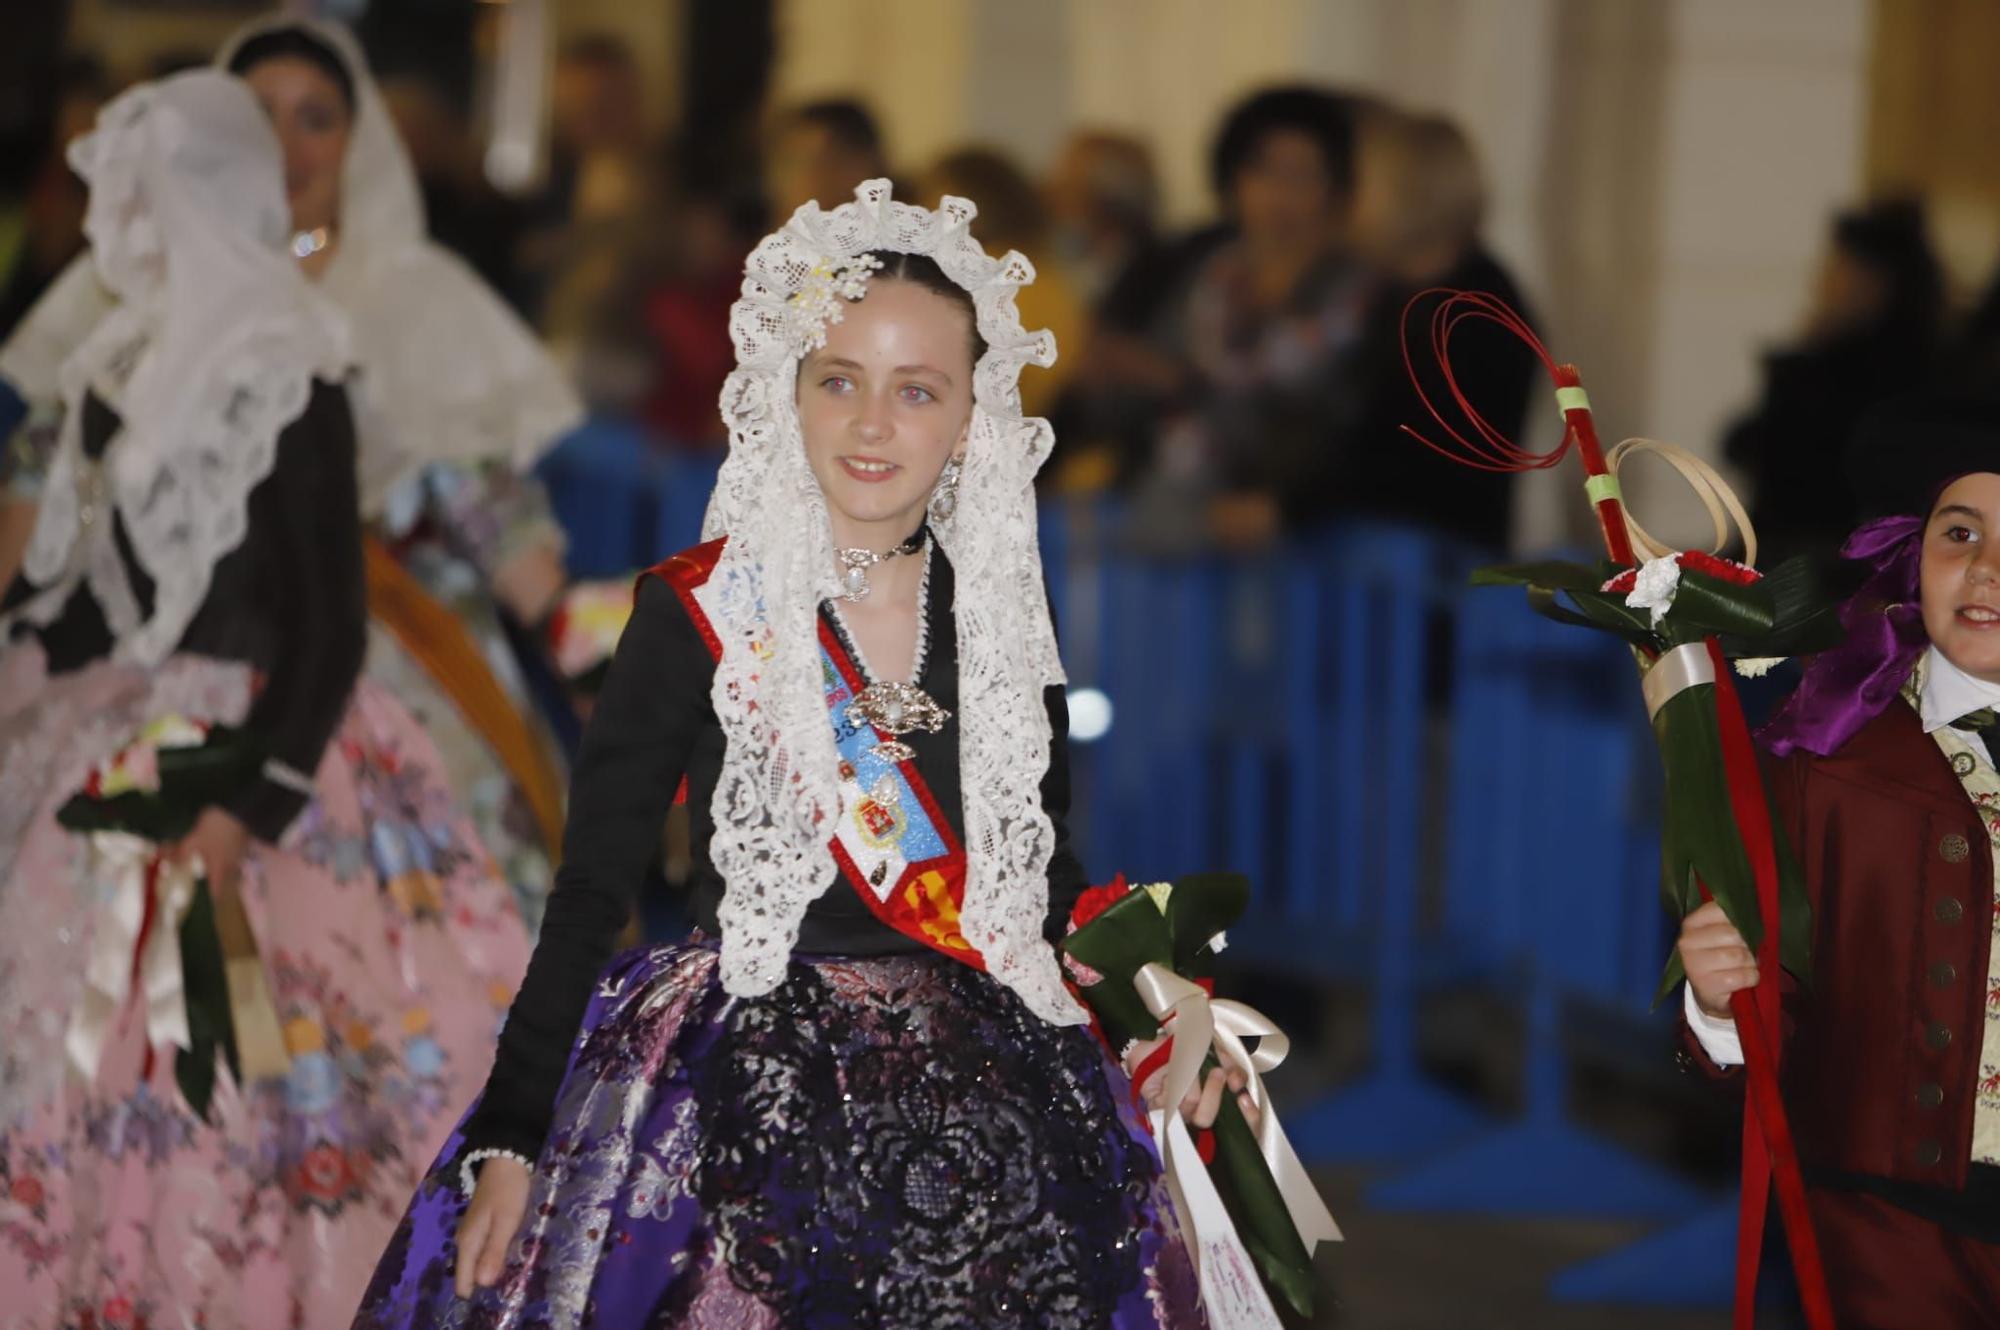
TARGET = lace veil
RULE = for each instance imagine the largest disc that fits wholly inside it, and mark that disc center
(448, 373)
(206, 348)
(778, 796)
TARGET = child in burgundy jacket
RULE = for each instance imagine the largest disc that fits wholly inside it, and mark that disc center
(1883, 773)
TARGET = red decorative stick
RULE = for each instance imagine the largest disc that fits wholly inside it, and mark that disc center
(1768, 1153)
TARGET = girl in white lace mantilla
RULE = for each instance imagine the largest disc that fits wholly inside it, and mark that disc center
(195, 582)
(861, 1092)
(453, 399)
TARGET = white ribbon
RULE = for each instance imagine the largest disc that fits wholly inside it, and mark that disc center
(123, 861)
(1199, 1023)
(1686, 666)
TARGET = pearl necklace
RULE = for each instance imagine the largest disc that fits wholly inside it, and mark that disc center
(305, 244)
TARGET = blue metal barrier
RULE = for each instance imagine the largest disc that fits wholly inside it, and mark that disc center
(685, 482)
(1550, 764)
(604, 484)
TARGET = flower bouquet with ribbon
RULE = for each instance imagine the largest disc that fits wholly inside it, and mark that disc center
(1687, 616)
(190, 953)
(1142, 960)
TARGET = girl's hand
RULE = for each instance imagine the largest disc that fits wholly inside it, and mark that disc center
(1717, 960)
(499, 1203)
(1204, 1100)
(220, 841)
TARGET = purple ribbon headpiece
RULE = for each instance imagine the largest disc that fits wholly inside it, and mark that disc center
(1848, 686)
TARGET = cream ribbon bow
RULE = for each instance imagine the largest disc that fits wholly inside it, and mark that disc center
(1234, 1296)
(122, 861)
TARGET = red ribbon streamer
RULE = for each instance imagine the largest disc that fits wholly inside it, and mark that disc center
(1768, 1153)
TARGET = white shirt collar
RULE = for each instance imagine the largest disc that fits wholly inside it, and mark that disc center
(1950, 692)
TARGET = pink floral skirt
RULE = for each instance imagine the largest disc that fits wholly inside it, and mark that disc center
(391, 947)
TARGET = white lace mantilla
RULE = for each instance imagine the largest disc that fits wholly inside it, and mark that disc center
(778, 795)
(208, 353)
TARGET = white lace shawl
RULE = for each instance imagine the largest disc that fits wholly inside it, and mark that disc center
(778, 797)
(207, 352)
(448, 373)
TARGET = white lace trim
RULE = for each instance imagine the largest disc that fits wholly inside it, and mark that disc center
(778, 794)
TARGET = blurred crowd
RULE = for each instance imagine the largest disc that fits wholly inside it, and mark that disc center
(1235, 383)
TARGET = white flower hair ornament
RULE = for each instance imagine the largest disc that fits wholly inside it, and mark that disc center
(778, 799)
(819, 302)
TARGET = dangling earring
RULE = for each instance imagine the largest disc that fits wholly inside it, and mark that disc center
(944, 499)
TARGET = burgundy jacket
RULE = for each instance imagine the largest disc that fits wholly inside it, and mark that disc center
(1881, 1060)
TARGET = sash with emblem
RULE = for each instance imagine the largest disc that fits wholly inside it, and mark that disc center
(893, 843)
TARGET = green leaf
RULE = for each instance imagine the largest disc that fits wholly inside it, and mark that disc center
(1130, 934)
(1705, 606)
(1558, 575)
(1807, 594)
(1252, 1197)
(1202, 905)
(206, 992)
(1545, 603)
(1702, 845)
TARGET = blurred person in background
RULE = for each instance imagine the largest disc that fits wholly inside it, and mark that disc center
(1972, 356)
(453, 401)
(600, 166)
(1872, 331)
(821, 152)
(715, 218)
(1103, 203)
(1236, 384)
(1012, 216)
(456, 399)
(196, 581)
(1419, 205)
(465, 213)
(43, 231)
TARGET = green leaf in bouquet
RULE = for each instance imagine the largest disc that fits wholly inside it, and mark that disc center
(1200, 906)
(206, 988)
(1705, 606)
(1552, 574)
(1258, 1207)
(1130, 934)
(1604, 610)
(1807, 593)
(1702, 845)
(191, 779)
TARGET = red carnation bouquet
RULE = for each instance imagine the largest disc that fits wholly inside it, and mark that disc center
(1143, 960)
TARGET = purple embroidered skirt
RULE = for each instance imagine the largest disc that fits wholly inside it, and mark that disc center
(892, 1142)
